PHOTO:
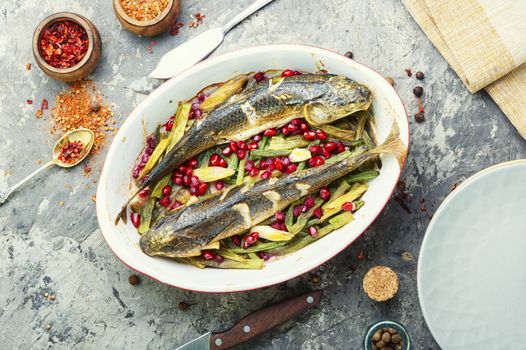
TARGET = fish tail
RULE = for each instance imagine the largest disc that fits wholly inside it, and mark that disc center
(122, 214)
(392, 145)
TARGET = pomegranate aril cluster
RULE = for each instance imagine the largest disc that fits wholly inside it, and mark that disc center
(184, 177)
(151, 143)
(250, 239)
(209, 255)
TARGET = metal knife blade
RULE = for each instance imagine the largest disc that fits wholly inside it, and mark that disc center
(199, 343)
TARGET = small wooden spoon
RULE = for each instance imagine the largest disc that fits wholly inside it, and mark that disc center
(85, 136)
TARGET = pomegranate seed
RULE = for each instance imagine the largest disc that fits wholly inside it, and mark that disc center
(214, 159)
(325, 193)
(193, 190)
(322, 135)
(178, 180)
(291, 168)
(187, 180)
(291, 127)
(278, 164)
(282, 227)
(316, 161)
(348, 206)
(194, 180)
(297, 210)
(144, 193)
(201, 97)
(195, 106)
(270, 132)
(318, 213)
(189, 172)
(309, 202)
(340, 147)
(275, 225)
(253, 146)
(259, 76)
(263, 165)
(252, 237)
(326, 154)
(286, 160)
(198, 113)
(219, 258)
(313, 232)
(233, 146)
(253, 172)
(201, 188)
(236, 240)
(135, 219)
(279, 216)
(266, 175)
(165, 201)
(223, 163)
(257, 138)
(227, 151)
(167, 190)
(304, 127)
(330, 146)
(264, 256)
(193, 163)
(182, 169)
(289, 73)
(242, 145)
(169, 124)
(296, 121)
(315, 149)
(284, 130)
(176, 205)
(249, 165)
(241, 154)
(219, 185)
(208, 255)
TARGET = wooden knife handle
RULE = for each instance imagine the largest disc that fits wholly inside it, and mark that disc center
(263, 320)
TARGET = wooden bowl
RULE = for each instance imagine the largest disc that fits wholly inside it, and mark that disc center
(86, 65)
(158, 25)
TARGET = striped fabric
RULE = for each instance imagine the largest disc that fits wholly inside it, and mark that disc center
(484, 41)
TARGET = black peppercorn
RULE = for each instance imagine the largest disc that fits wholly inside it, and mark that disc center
(418, 91)
(349, 54)
(419, 75)
(420, 117)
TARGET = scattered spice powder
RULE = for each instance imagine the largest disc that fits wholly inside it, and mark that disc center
(40, 111)
(144, 10)
(199, 20)
(63, 44)
(380, 283)
(81, 106)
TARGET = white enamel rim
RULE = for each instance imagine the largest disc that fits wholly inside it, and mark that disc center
(114, 182)
(457, 192)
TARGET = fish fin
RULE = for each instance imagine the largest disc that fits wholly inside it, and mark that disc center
(393, 145)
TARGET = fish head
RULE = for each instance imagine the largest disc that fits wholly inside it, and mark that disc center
(343, 97)
(163, 242)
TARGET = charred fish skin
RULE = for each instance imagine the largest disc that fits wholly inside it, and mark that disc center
(324, 97)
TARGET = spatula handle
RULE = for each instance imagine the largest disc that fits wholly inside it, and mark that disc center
(263, 320)
(245, 13)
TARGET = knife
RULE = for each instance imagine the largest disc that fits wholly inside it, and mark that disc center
(255, 323)
(186, 55)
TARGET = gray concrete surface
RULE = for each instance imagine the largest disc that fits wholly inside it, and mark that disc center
(60, 250)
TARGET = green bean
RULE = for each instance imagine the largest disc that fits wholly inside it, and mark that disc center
(362, 176)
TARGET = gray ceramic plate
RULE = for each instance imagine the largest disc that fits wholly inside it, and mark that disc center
(472, 264)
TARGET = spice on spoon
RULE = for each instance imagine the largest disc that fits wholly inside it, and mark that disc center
(71, 151)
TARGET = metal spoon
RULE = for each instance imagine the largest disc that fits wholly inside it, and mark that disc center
(85, 136)
(186, 55)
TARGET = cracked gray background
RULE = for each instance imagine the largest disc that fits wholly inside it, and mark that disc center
(57, 249)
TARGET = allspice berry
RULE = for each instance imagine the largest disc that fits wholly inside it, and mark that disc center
(419, 75)
(134, 280)
(420, 117)
(418, 91)
(380, 283)
(349, 54)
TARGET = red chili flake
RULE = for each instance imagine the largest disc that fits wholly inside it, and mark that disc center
(63, 44)
(408, 72)
(71, 151)
(423, 209)
(87, 169)
(153, 43)
(44, 104)
(175, 28)
(29, 102)
(39, 113)
(28, 66)
(361, 255)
